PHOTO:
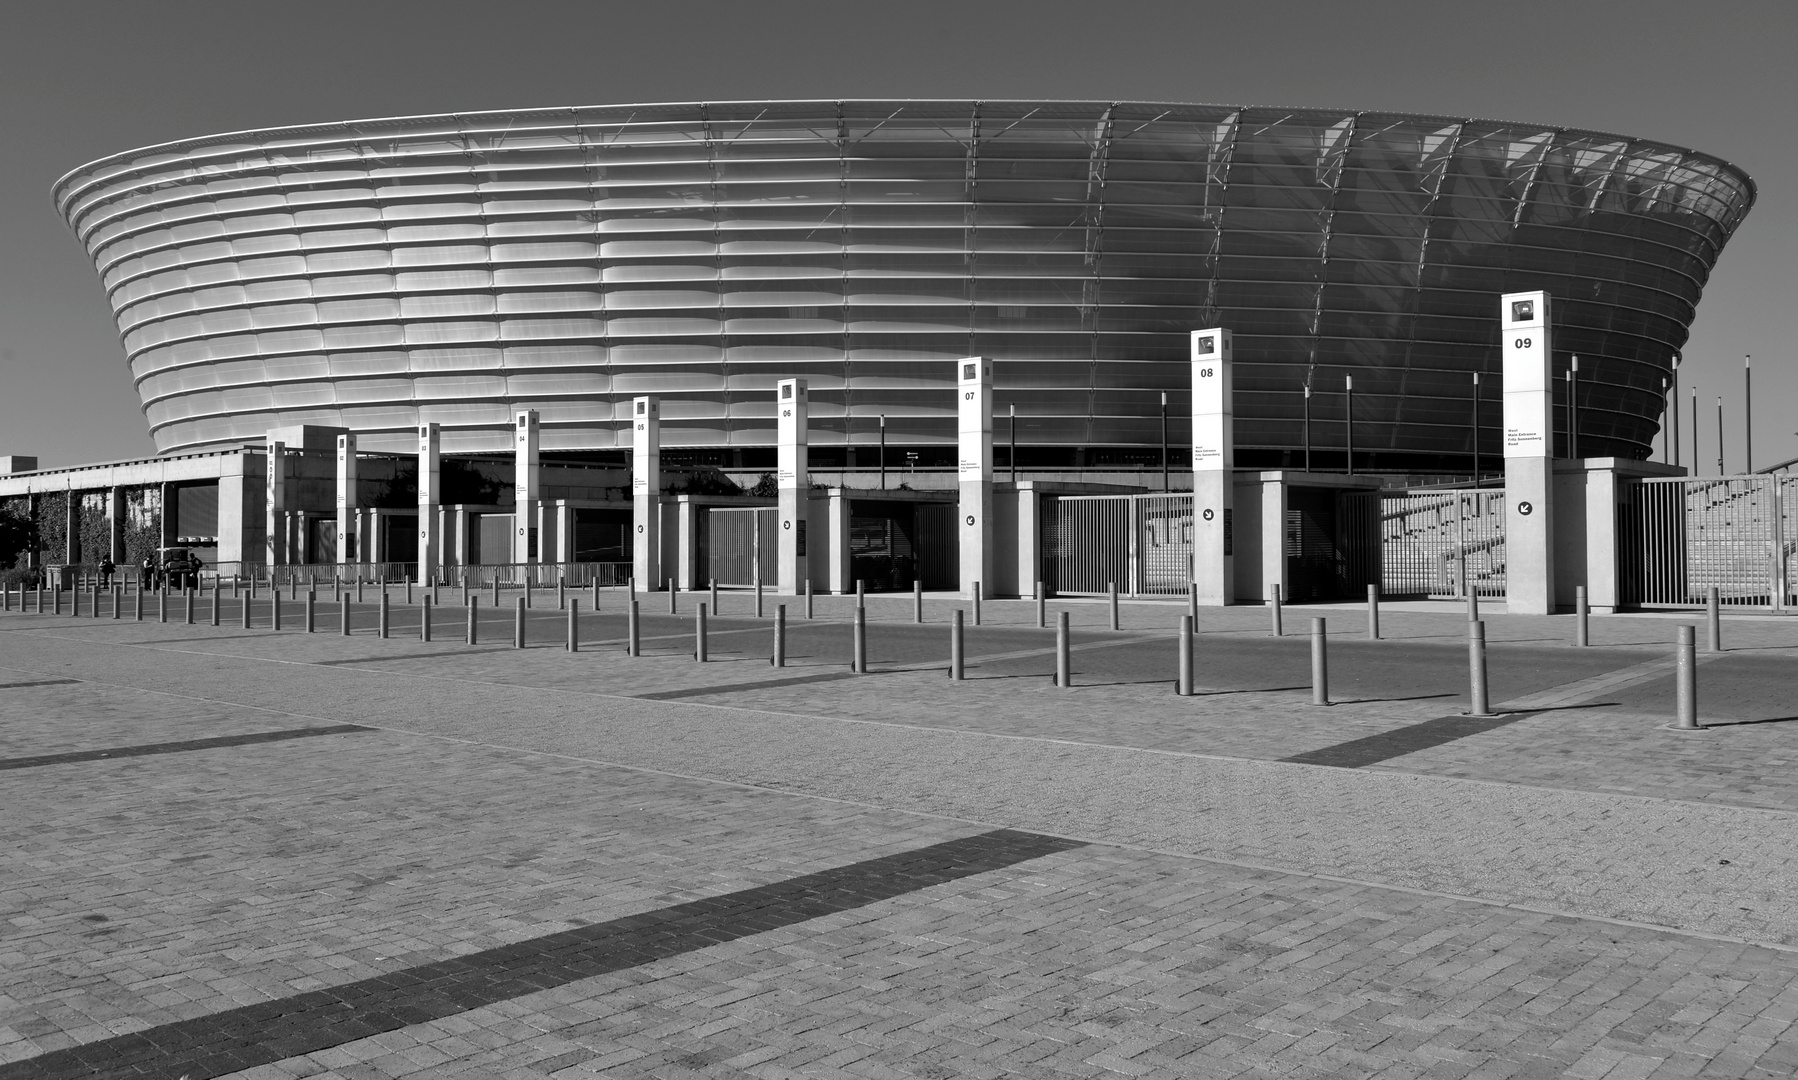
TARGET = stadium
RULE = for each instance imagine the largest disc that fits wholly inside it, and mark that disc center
(376, 275)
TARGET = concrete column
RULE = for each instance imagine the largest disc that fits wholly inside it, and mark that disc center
(71, 527)
(346, 497)
(974, 436)
(1213, 468)
(115, 519)
(275, 505)
(168, 517)
(242, 517)
(430, 494)
(686, 571)
(1527, 328)
(793, 480)
(841, 577)
(459, 533)
(1029, 538)
(646, 492)
(526, 475)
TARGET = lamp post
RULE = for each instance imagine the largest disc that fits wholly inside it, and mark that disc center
(1476, 429)
(1673, 408)
(1747, 415)
(1163, 440)
(1348, 418)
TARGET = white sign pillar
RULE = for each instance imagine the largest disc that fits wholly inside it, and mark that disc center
(346, 499)
(430, 494)
(1527, 329)
(793, 483)
(974, 434)
(275, 505)
(525, 473)
(646, 492)
(1213, 468)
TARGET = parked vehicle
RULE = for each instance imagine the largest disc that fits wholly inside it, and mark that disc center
(178, 568)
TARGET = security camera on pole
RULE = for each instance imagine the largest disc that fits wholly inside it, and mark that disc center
(974, 435)
(646, 491)
(1213, 465)
(793, 484)
(1527, 327)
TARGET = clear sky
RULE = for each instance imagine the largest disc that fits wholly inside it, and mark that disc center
(80, 80)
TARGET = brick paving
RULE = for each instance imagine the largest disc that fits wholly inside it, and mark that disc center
(1578, 891)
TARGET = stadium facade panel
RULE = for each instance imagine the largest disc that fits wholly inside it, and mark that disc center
(378, 274)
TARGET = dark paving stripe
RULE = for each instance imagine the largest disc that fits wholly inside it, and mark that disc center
(1406, 740)
(38, 682)
(272, 1031)
(380, 659)
(185, 745)
(738, 688)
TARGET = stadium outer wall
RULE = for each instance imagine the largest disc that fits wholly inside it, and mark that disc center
(378, 274)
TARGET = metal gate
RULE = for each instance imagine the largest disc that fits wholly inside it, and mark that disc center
(1680, 537)
(1438, 544)
(1140, 543)
(737, 545)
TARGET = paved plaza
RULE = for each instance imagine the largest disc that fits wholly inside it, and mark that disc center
(268, 853)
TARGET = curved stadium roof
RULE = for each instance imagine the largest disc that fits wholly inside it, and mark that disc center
(376, 274)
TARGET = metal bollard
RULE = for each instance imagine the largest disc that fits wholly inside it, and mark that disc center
(673, 598)
(56, 598)
(1320, 663)
(162, 605)
(137, 601)
(408, 592)
(436, 590)
(527, 589)
(1473, 604)
(574, 625)
(243, 614)
(758, 596)
(699, 633)
(633, 645)
(465, 589)
(235, 584)
(1713, 614)
(1042, 607)
(496, 592)
(212, 615)
(473, 609)
(780, 635)
(518, 624)
(274, 608)
(424, 619)
(1686, 680)
(39, 609)
(293, 586)
(714, 596)
(956, 656)
(1580, 614)
(336, 588)
(1481, 704)
(1273, 601)
(1183, 686)
(561, 593)
(1111, 595)
(977, 603)
(384, 623)
(595, 592)
(311, 610)
(118, 600)
(808, 598)
(343, 615)
(1192, 601)
(1373, 613)
(917, 601)
(858, 657)
(358, 589)
(861, 594)
(1064, 653)
(188, 615)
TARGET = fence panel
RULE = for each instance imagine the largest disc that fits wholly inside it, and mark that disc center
(1140, 543)
(1163, 544)
(1679, 537)
(1439, 544)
